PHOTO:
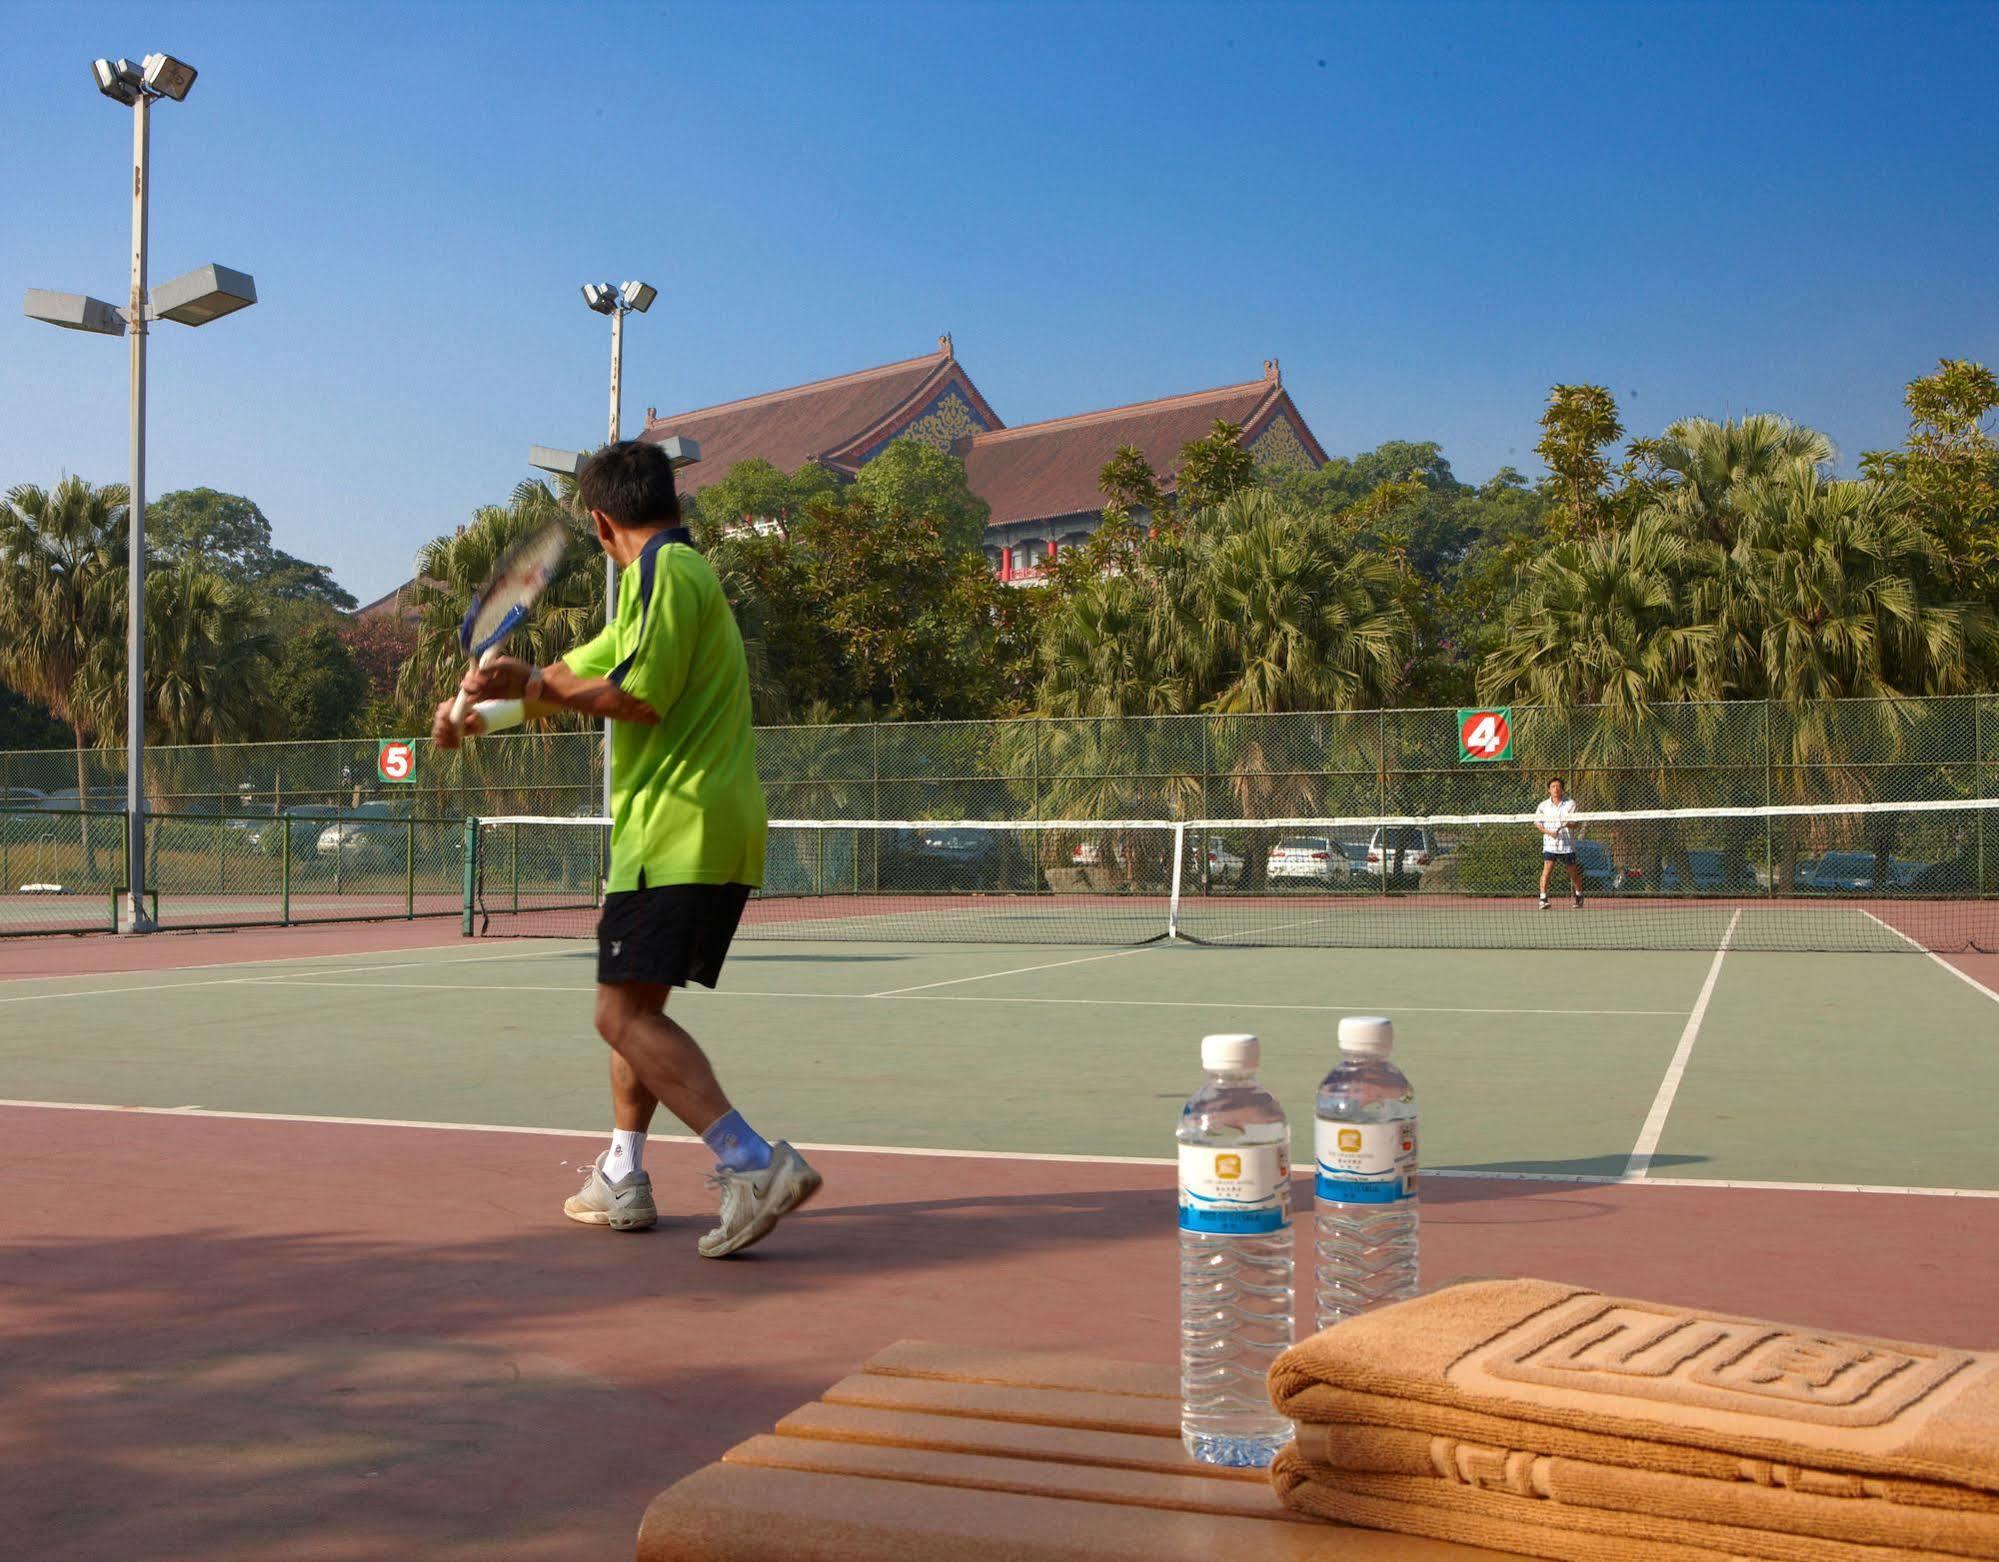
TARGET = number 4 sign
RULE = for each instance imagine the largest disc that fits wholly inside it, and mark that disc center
(1485, 734)
(395, 760)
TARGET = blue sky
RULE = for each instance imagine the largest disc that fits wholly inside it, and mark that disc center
(1429, 212)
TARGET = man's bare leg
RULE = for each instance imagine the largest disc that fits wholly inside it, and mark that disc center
(760, 1182)
(665, 1064)
(1547, 867)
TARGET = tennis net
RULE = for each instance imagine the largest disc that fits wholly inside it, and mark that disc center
(1871, 877)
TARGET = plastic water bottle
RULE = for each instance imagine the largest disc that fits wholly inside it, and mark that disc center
(1366, 1183)
(1235, 1258)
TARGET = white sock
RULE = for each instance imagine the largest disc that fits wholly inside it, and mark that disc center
(628, 1154)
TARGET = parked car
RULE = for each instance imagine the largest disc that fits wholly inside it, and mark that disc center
(943, 859)
(1401, 849)
(370, 832)
(1713, 873)
(96, 799)
(15, 797)
(1312, 858)
(1601, 873)
(1839, 873)
(1222, 865)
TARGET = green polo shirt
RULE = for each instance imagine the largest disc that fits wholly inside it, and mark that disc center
(686, 805)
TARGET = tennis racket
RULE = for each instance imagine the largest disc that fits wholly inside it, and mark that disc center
(501, 605)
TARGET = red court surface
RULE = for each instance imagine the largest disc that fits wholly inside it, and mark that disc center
(247, 1339)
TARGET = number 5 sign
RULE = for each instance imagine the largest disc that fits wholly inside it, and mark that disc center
(1485, 734)
(395, 760)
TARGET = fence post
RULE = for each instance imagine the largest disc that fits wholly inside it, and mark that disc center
(1769, 758)
(470, 874)
(285, 871)
(875, 767)
(409, 868)
(514, 857)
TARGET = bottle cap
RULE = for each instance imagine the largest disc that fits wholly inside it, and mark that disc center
(1232, 1054)
(1367, 1035)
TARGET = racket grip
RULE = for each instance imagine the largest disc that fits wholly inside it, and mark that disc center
(462, 702)
(498, 715)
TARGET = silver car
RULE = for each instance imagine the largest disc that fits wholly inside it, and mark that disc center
(1311, 857)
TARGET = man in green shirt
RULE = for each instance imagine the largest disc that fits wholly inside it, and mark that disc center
(687, 841)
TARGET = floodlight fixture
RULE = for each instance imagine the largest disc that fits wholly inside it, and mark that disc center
(638, 295)
(601, 296)
(203, 294)
(564, 463)
(74, 312)
(168, 77)
(681, 452)
(112, 83)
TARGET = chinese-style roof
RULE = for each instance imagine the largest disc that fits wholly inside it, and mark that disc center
(842, 422)
(1038, 471)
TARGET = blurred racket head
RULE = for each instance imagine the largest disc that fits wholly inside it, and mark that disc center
(522, 574)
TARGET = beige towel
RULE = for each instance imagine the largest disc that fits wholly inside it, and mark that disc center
(1543, 1418)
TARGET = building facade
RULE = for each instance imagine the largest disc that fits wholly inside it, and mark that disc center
(1040, 479)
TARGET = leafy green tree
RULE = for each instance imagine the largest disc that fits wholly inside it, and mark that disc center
(1579, 422)
(317, 688)
(1950, 466)
(755, 492)
(230, 536)
(25, 724)
(912, 481)
(1130, 487)
(1213, 468)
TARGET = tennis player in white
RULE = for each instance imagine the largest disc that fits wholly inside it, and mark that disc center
(1558, 839)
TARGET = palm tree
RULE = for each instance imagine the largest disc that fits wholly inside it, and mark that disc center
(207, 657)
(62, 575)
(1285, 617)
(450, 569)
(1601, 624)
(1699, 464)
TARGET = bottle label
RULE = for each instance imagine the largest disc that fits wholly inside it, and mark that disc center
(1366, 1163)
(1235, 1192)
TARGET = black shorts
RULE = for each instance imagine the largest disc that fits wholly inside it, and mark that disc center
(672, 934)
(1568, 857)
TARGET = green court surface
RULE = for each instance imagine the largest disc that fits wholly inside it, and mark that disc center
(1876, 1070)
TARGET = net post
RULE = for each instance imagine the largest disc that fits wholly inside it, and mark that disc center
(1179, 863)
(470, 874)
(1978, 783)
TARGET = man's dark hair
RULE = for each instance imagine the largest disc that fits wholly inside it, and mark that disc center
(632, 483)
(1558, 781)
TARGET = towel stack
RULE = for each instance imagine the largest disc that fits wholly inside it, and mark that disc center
(1545, 1419)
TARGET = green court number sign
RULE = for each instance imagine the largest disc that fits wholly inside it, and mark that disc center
(395, 760)
(1485, 734)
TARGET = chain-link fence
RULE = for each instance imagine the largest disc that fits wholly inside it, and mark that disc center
(61, 870)
(218, 807)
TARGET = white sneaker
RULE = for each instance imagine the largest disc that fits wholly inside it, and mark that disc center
(1544, 902)
(624, 1205)
(754, 1202)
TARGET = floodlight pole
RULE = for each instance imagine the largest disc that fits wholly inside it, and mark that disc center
(611, 564)
(137, 918)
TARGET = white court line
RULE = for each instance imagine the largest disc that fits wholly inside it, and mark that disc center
(990, 976)
(1573, 1178)
(1968, 980)
(1640, 1162)
(249, 927)
(239, 981)
(916, 995)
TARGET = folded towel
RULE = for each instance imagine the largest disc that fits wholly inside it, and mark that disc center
(1551, 1420)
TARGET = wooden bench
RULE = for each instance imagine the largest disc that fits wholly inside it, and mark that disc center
(966, 1455)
